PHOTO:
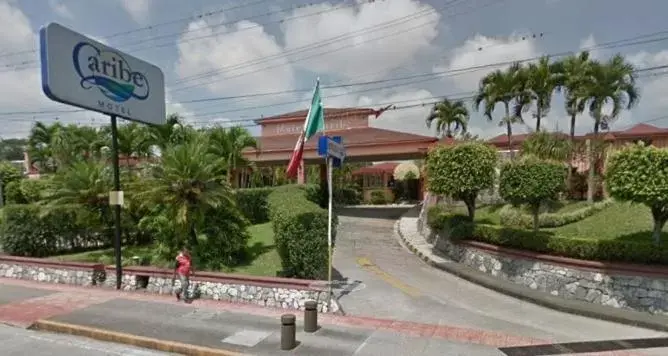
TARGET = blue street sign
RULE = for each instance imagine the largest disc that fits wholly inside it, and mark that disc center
(332, 147)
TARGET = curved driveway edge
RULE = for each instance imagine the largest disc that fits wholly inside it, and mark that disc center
(406, 229)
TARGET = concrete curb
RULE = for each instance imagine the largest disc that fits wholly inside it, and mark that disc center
(129, 339)
(621, 316)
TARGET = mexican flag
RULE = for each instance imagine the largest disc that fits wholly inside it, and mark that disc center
(315, 122)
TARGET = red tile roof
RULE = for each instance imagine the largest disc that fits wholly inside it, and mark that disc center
(329, 112)
(351, 137)
(636, 130)
(387, 167)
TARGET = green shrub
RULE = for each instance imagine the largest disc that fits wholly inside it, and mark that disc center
(27, 231)
(347, 195)
(533, 182)
(300, 231)
(547, 243)
(26, 191)
(461, 171)
(378, 197)
(253, 204)
(514, 217)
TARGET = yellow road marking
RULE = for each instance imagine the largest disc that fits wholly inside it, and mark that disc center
(389, 279)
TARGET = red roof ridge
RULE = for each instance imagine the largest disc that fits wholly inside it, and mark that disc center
(328, 111)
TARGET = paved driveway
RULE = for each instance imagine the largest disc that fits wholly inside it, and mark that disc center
(385, 280)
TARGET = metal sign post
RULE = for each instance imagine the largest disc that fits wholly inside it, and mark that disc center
(334, 152)
(79, 71)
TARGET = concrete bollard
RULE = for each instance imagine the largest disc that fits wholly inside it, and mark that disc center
(288, 332)
(311, 316)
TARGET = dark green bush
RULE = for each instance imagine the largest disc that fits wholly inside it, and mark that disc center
(28, 231)
(643, 252)
(253, 204)
(347, 195)
(25, 191)
(300, 231)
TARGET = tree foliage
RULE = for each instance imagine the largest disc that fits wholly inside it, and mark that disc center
(461, 171)
(531, 181)
(639, 174)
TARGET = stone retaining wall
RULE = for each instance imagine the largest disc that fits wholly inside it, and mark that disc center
(642, 288)
(271, 292)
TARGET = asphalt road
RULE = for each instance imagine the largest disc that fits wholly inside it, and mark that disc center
(385, 280)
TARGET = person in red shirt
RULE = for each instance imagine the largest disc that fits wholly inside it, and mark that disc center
(184, 269)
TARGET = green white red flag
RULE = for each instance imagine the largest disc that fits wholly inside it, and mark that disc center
(315, 122)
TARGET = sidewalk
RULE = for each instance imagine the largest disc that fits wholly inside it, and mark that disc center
(240, 329)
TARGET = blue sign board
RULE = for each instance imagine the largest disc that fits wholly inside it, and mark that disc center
(332, 146)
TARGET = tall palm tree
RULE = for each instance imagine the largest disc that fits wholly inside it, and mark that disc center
(186, 185)
(501, 87)
(538, 83)
(575, 76)
(611, 83)
(450, 116)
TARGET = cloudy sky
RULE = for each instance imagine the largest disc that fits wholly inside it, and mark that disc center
(408, 52)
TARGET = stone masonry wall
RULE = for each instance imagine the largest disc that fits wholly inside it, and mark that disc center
(642, 293)
(263, 295)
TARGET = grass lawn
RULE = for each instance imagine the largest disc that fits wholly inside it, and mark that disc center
(489, 214)
(263, 259)
(618, 221)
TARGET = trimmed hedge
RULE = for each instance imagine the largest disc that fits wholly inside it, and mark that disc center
(27, 231)
(300, 231)
(545, 242)
(253, 203)
(514, 217)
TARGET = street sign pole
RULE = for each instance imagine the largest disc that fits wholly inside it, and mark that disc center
(334, 152)
(116, 201)
(329, 229)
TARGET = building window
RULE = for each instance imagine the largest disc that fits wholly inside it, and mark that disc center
(373, 181)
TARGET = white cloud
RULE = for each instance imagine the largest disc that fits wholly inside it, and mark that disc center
(589, 42)
(481, 50)
(234, 58)
(138, 9)
(399, 41)
(21, 88)
(61, 9)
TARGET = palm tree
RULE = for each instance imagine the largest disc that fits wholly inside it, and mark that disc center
(186, 185)
(539, 81)
(165, 134)
(84, 187)
(134, 141)
(547, 146)
(229, 143)
(40, 146)
(610, 83)
(575, 75)
(447, 114)
(501, 87)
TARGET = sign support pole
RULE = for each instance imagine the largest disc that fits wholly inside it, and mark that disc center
(118, 202)
(329, 231)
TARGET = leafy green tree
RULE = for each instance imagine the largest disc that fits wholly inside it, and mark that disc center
(40, 147)
(11, 149)
(501, 87)
(531, 181)
(461, 171)
(229, 143)
(639, 174)
(610, 84)
(449, 117)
